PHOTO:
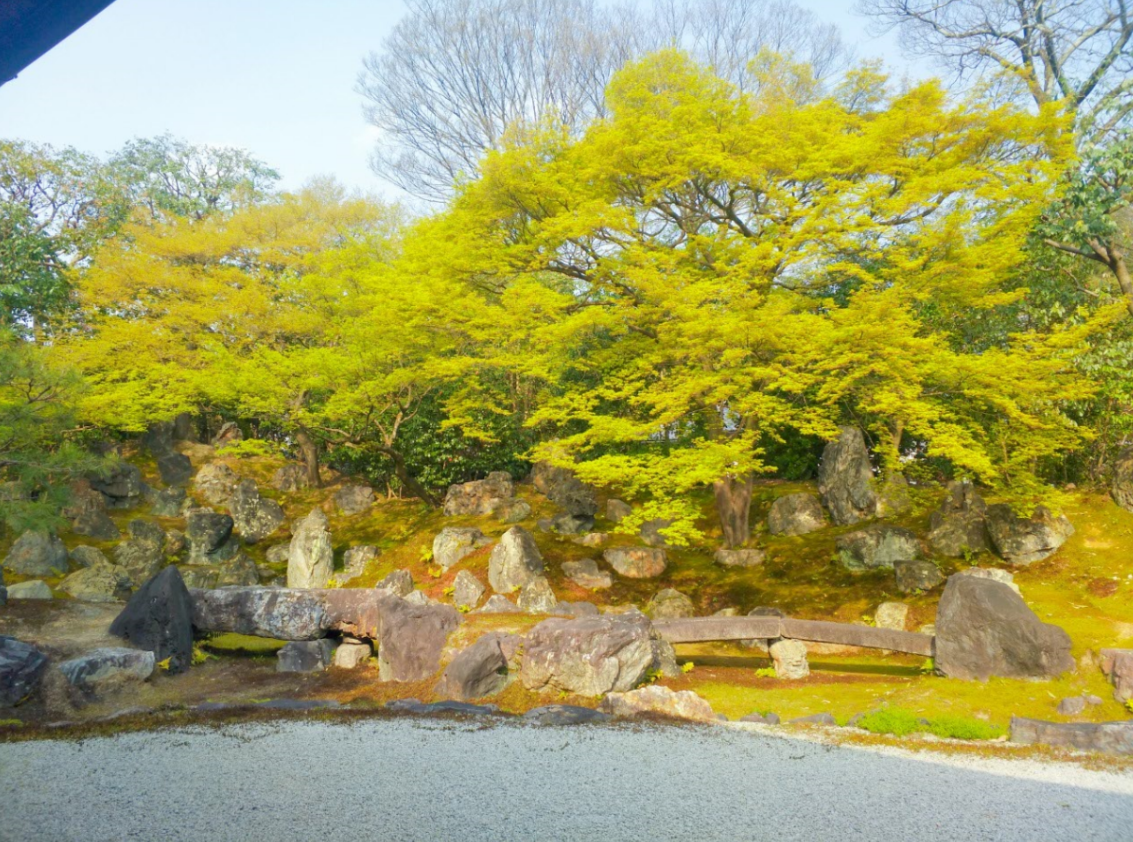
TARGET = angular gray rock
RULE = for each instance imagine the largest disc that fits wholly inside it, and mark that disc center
(513, 511)
(877, 546)
(229, 433)
(1122, 486)
(21, 669)
(215, 482)
(958, 527)
(455, 542)
(589, 656)
(411, 639)
(796, 514)
(291, 477)
(31, 589)
(139, 559)
(659, 701)
(670, 604)
(398, 583)
(993, 573)
(564, 715)
(564, 523)
(845, 479)
(159, 619)
(278, 554)
(280, 613)
(498, 604)
(575, 609)
(253, 516)
(636, 562)
(169, 502)
(790, 660)
(665, 659)
(751, 557)
(480, 497)
(101, 582)
(122, 486)
(1072, 706)
(310, 560)
(984, 629)
(100, 669)
(174, 468)
(536, 597)
(917, 576)
(305, 656)
(586, 574)
(651, 532)
(1107, 737)
(87, 513)
(37, 554)
(206, 531)
(477, 671)
(1026, 540)
(467, 590)
(238, 571)
(87, 556)
(148, 531)
(515, 561)
(354, 499)
(355, 560)
(616, 510)
(565, 490)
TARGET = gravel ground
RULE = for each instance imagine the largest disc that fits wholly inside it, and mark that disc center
(418, 779)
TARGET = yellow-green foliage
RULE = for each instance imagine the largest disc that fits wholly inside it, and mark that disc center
(901, 722)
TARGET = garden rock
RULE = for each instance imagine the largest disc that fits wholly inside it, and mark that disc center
(1108, 737)
(636, 562)
(513, 511)
(21, 668)
(515, 561)
(564, 715)
(37, 554)
(238, 571)
(352, 655)
(1122, 487)
(310, 560)
(280, 613)
(959, 527)
(665, 659)
(845, 478)
(586, 574)
(815, 719)
(148, 531)
(87, 513)
(278, 554)
(32, 589)
(159, 619)
(651, 532)
(291, 477)
(411, 639)
(891, 615)
(455, 542)
(480, 497)
(1072, 706)
(670, 604)
(564, 523)
(478, 671)
(1026, 540)
(467, 590)
(616, 510)
(355, 560)
(229, 433)
(536, 597)
(984, 629)
(254, 517)
(174, 468)
(1117, 664)
(592, 539)
(354, 499)
(84, 556)
(122, 487)
(752, 557)
(565, 490)
(101, 582)
(659, 701)
(305, 656)
(761, 719)
(790, 659)
(398, 583)
(101, 669)
(498, 604)
(169, 502)
(993, 573)
(139, 559)
(917, 576)
(589, 656)
(575, 609)
(216, 482)
(796, 514)
(876, 547)
(206, 532)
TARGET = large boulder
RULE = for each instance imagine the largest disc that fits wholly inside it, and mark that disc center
(586, 574)
(670, 604)
(254, 517)
(280, 613)
(455, 542)
(122, 486)
(636, 562)
(616, 510)
(354, 499)
(959, 527)
(101, 582)
(515, 561)
(984, 629)
(659, 701)
(206, 532)
(876, 547)
(37, 554)
(310, 561)
(565, 490)
(845, 479)
(796, 514)
(589, 656)
(216, 482)
(411, 638)
(481, 497)
(1026, 540)
(1122, 486)
(238, 571)
(87, 513)
(478, 671)
(84, 556)
(159, 619)
(21, 668)
(103, 668)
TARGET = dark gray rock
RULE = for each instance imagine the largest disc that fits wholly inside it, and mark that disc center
(411, 638)
(122, 486)
(280, 613)
(169, 502)
(1026, 540)
(959, 527)
(984, 629)
(845, 479)
(147, 530)
(37, 554)
(103, 668)
(354, 499)
(253, 516)
(21, 668)
(206, 531)
(174, 468)
(565, 490)
(310, 559)
(159, 619)
(515, 561)
(1108, 737)
(238, 571)
(1122, 486)
(101, 582)
(796, 514)
(478, 671)
(481, 497)
(917, 576)
(564, 715)
(87, 513)
(158, 439)
(637, 562)
(589, 656)
(305, 656)
(455, 542)
(877, 546)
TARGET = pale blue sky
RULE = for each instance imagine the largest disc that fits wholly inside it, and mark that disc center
(275, 77)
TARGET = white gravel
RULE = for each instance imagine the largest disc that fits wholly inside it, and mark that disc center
(409, 779)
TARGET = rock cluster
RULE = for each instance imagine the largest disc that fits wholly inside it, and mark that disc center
(480, 497)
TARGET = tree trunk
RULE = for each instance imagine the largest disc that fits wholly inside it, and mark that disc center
(733, 504)
(1121, 270)
(309, 456)
(406, 479)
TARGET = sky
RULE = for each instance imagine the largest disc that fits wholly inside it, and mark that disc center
(275, 77)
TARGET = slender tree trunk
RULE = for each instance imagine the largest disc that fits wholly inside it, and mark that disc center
(1124, 280)
(733, 504)
(309, 456)
(406, 479)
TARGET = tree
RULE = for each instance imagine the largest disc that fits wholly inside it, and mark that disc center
(453, 78)
(695, 235)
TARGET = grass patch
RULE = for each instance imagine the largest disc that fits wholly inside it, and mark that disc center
(242, 644)
(901, 722)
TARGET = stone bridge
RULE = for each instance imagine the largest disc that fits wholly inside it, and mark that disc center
(702, 629)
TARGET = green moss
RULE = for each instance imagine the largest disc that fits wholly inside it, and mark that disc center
(242, 644)
(901, 722)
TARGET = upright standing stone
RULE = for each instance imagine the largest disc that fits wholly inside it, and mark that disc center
(21, 668)
(845, 479)
(310, 560)
(515, 561)
(159, 618)
(790, 659)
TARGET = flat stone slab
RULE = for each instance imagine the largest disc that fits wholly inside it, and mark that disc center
(1108, 737)
(697, 629)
